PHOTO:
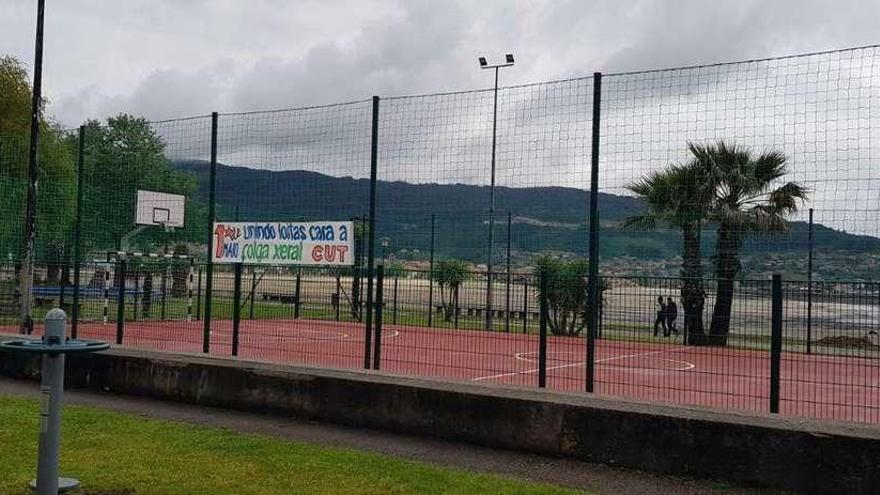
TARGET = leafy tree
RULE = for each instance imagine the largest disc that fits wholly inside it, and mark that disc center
(15, 97)
(56, 179)
(747, 194)
(449, 275)
(567, 295)
(125, 155)
(677, 197)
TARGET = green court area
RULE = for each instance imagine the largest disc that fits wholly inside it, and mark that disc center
(115, 453)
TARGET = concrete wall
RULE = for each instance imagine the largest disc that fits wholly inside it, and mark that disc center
(770, 451)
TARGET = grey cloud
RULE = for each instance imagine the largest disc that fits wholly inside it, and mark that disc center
(421, 47)
(409, 55)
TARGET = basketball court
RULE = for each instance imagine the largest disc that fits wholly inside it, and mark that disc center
(829, 387)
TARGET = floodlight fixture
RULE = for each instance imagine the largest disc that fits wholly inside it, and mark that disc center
(508, 61)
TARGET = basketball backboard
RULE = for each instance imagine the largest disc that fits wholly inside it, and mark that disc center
(158, 208)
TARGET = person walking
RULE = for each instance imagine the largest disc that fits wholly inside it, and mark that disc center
(671, 316)
(660, 320)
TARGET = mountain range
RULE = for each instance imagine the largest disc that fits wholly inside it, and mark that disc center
(544, 220)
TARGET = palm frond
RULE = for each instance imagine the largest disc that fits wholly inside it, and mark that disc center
(645, 221)
(770, 166)
(784, 199)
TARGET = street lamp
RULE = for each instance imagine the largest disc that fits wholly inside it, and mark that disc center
(508, 61)
(384, 241)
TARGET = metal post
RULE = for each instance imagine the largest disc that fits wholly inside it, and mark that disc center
(525, 306)
(379, 304)
(491, 210)
(357, 270)
(431, 278)
(236, 307)
(594, 234)
(199, 296)
(134, 295)
(77, 230)
(52, 392)
(542, 335)
(507, 291)
(810, 287)
(775, 342)
(598, 333)
(63, 281)
(164, 287)
(338, 295)
(296, 294)
(209, 263)
(374, 152)
(189, 291)
(394, 309)
(30, 223)
(120, 301)
(106, 313)
(455, 307)
(253, 292)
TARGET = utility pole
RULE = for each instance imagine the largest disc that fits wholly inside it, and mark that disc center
(26, 281)
(489, 301)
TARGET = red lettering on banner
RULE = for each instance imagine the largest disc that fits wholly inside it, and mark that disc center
(219, 233)
(328, 253)
(318, 253)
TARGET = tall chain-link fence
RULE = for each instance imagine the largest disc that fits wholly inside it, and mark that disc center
(703, 181)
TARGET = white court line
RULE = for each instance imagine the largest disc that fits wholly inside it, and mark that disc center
(572, 365)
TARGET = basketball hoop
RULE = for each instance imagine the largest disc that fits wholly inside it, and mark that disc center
(155, 209)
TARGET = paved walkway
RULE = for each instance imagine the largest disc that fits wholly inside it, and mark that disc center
(595, 478)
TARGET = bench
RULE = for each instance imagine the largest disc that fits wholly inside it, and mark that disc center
(68, 307)
(499, 313)
(44, 301)
(280, 297)
(9, 303)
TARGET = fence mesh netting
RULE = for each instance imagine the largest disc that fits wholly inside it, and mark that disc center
(477, 205)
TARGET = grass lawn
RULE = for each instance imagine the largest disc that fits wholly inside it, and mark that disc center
(114, 453)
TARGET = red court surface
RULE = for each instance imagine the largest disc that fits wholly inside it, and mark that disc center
(827, 387)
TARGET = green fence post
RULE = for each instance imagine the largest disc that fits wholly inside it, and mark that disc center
(542, 334)
(593, 291)
(209, 264)
(236, 307)
(775, 342)
(374, 153)
(77, 232)
(378, 304)
(120, 301)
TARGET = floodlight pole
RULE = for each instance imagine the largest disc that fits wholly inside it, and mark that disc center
(26, 281)
(489, 300)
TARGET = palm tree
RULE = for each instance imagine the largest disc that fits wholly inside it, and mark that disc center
(567, 294)
(747, 195)
(677, 197)
(449, 275)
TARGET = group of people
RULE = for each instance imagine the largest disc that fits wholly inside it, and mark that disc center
(667, 313)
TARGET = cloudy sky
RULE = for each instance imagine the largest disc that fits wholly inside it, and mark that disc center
(168, 58)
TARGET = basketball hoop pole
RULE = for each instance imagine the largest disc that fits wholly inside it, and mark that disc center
(123, 241)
